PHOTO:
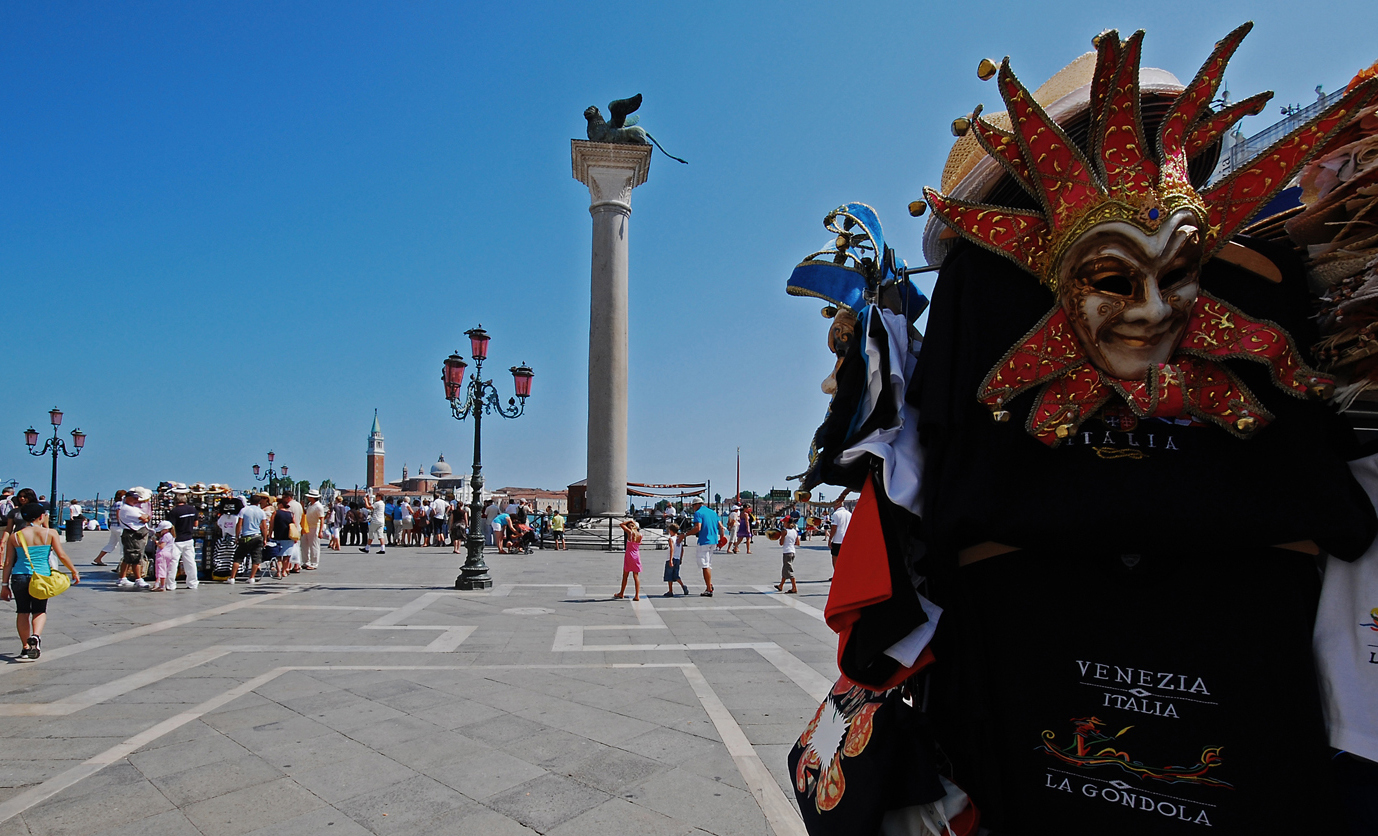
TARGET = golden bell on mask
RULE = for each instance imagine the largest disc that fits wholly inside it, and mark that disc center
(1001, 416)
(1247, 424)
(961, 125)
(1323, 389)
(917, 208)
(1063, 430)
(986, 69)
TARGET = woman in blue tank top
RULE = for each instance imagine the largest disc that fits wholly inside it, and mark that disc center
(28, 552)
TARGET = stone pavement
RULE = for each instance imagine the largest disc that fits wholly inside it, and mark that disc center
(370, 697)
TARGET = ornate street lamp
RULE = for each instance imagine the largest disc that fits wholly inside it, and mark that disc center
(271, 476)
(53, 446)
(478, 397)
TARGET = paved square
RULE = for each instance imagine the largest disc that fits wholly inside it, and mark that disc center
(370, 697)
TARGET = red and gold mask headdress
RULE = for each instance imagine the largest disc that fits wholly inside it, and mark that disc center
(1123, 176)
(1157, 342)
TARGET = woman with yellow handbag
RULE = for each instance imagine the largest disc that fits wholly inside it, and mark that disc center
(29, 577)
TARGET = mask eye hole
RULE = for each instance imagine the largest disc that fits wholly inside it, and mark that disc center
(1112, 284)
(1175, 277)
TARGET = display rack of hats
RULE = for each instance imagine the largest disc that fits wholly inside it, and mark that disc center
(200, 494)
(1336, 230)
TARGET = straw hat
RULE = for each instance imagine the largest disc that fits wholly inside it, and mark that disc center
(970, 173)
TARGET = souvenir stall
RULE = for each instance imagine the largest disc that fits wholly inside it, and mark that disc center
(1079, 589)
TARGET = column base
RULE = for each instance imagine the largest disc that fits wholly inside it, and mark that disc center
(479, 580)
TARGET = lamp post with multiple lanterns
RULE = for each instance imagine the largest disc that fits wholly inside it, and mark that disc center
(271, 476)
(54, 446)
(478, 397)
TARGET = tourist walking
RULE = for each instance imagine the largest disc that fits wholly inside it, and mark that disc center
(709, 528)
(312, 523)
(113, 522)
(789, 545)
(631, 558)
(164, 560)
(281, 541)
(134, 537)
(557, 530)
(376, 526)
(440, 516)
(28, 551)
(672, 565)
(733, 517)
(184, 517)
(839, 520)
(744, 529)
(339, 515)
(253, 534)
(459, 525)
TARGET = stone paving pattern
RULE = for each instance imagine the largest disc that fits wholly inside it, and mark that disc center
(390, 719)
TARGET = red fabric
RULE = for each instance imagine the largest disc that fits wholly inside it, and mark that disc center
(862, 574)
(967, 822)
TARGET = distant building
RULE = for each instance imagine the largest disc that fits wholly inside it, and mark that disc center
(538, 498)
(373, 470)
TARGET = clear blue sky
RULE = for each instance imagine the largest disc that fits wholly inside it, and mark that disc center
(294, 210)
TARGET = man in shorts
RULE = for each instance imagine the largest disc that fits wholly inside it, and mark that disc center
(557, 529)
(840, 518)
(708, 526)
(133, 538)
(253, 532)
(377, 519)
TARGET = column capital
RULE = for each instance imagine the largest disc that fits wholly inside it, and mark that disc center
(610, 170)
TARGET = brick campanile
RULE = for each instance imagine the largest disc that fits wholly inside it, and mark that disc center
(373, 474)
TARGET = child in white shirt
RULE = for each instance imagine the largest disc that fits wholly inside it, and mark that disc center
(789, 544)
(676, 557)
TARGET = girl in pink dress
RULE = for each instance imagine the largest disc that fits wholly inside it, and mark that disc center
(631, 560)
(163, 561)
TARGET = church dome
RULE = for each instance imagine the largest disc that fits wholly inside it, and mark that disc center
(440, 469)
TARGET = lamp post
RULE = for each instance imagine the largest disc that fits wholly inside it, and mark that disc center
(271, 476)
(478, 397)
(54, 445)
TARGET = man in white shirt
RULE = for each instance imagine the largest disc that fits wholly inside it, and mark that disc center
(313, 522)
(377, 516)
(840, 517)
(734, 519)
(440, 521)
(133, 537)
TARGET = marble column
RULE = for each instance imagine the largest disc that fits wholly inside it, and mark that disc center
(610, 171)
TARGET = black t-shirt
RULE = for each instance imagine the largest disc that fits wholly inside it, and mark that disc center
(183, 519)
(1143, 664)
(282, 524)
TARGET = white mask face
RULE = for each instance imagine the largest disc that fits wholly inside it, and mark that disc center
(1129, 294)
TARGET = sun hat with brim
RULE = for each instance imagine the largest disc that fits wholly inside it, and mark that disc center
(970, 174)
(313, 494)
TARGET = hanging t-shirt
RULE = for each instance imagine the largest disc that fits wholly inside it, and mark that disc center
(1143, 664)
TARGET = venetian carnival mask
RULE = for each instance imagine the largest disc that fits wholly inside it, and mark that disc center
(1119, 237)
(1128, 293)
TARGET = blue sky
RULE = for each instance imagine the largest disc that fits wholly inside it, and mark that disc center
(293, 211)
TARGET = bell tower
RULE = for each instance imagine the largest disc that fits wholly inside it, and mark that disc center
(373, 474)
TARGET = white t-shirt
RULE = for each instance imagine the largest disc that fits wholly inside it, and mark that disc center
(130, 517)
(840, 518)
(511, 509)
(379, 512)
(789, 541)
(439, 508)
(227, 523)
(73, 510)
